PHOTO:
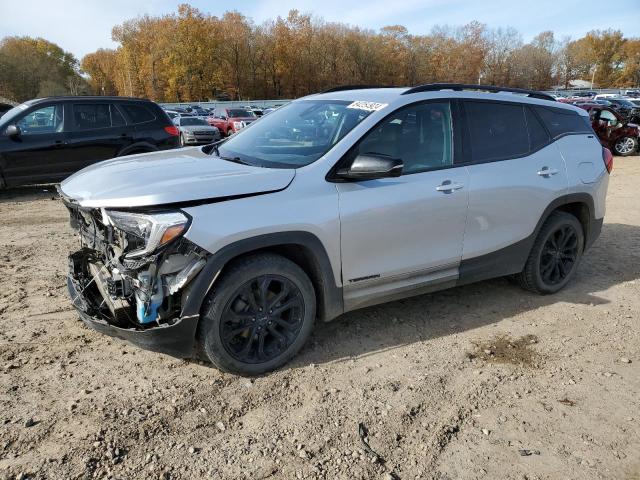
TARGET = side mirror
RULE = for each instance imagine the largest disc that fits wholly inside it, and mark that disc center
(12, 131)
(372, 166)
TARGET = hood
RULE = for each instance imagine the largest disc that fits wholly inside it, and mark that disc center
(171, 176)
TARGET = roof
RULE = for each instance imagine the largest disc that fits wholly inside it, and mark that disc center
(84, 97)
(390, 95)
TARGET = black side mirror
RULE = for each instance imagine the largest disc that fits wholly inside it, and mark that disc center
(12, 131)
(371, 166)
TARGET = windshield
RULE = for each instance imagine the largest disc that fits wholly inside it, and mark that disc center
(623, 102)
(295, 135)
(192, 121)
(239, 112)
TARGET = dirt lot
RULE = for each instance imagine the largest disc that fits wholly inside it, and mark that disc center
(483, 381)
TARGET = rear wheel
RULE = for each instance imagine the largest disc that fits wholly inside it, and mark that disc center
(258, 315)
(555, 255)
(625, 146)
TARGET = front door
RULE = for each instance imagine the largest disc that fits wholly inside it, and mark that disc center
(39, 153)
(401, 234)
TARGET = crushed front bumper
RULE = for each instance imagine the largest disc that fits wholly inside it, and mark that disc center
(176, 339)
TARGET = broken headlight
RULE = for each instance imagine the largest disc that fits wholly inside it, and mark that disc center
(155, 230)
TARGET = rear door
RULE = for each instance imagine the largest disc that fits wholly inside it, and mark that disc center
(39, 153)
(98, 132)
(515, 173)
(398, 234)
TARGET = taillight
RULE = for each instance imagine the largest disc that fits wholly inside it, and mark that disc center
(173, 131)
(607, 157)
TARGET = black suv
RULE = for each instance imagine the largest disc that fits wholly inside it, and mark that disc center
(47, 139)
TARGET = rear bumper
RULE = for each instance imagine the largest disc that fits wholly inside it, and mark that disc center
(177, 339)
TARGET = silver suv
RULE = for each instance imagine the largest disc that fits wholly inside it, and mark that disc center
(333, 202)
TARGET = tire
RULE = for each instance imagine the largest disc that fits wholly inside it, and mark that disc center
(181, 140)
(625, 146)
(551, 265)
(232, 327)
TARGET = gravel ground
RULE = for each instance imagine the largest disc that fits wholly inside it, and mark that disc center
(481, 381)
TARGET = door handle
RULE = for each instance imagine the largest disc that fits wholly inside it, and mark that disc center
(547, 172)
(447, 186)
(59, 143)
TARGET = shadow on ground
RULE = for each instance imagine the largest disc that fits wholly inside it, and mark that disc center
(614, 259)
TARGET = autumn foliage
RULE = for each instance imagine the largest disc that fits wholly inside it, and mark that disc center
(190, 55)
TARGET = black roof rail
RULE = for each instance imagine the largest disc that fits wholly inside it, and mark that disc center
(355, 87)
(432, 87)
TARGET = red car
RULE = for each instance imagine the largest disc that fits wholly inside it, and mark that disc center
(230, 120)
(612, 129)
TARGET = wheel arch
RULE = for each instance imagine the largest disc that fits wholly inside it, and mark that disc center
(138, 147)
(303, 248)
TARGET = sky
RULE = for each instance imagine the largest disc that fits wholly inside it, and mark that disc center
(83, 26)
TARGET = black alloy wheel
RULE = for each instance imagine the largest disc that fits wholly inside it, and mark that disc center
(257, 315)
(559, 255)
(262, 319)
(555, 255)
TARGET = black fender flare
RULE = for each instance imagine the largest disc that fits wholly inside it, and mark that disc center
(330, 295)
(137, 147)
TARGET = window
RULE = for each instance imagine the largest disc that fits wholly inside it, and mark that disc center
(137, 113)
(117, 120)
(538, 136)
(498, 131)
(295, 135)
(561, 121)
(605, 116)
(89, 116)
(44, 120)
(419, 135)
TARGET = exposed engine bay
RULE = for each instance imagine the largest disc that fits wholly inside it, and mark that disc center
(133, 268)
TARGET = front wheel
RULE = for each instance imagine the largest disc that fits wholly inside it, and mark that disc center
(258, 315)
(625, 146)
(555, 255)
(181, 140)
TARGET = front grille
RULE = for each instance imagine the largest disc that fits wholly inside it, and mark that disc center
(203, 132)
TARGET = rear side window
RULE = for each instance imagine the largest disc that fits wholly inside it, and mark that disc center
(498, 131)
(90, 116)
(138, 113)
(538, 136)
(560, 121)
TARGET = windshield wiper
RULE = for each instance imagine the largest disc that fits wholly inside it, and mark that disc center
(235, 160)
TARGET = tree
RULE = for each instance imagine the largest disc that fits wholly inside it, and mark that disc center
(33, 67)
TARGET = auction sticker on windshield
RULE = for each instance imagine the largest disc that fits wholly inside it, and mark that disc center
(368, 106)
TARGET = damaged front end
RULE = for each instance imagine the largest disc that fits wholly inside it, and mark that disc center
(132, 275)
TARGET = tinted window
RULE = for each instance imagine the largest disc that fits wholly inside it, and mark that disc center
(117, 120)
(538, 136)
(419, 135)
(560, 121)
(87, 116)
(137, 113)
(497, 131)
(44, 120)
